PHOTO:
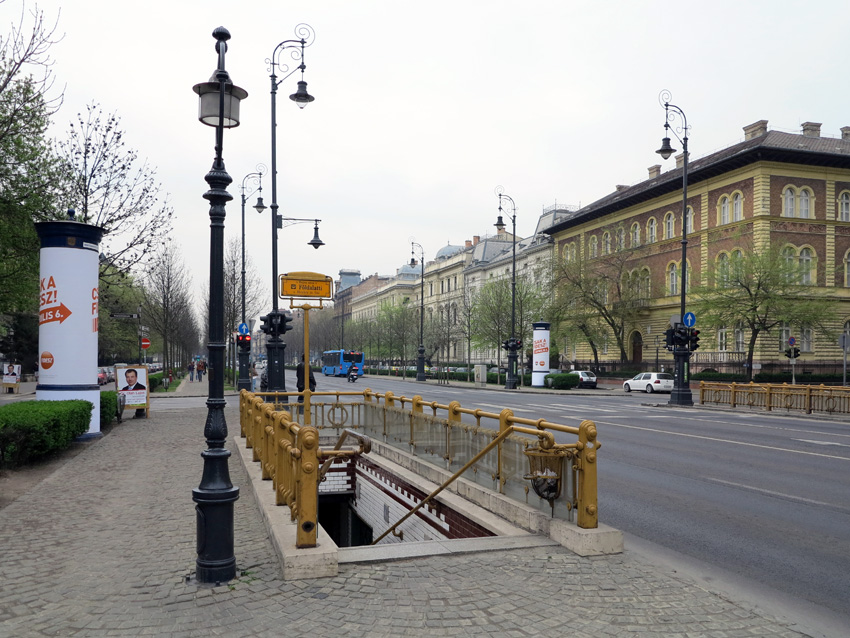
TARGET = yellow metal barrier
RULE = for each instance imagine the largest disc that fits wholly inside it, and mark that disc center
(290, 455)
(796, 398)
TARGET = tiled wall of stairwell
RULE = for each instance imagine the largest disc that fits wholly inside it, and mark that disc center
(381, 499)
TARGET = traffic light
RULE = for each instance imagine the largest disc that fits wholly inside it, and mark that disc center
(694, 343)
(518, 344)
(265, 325)
(680, 338)
(506, 344)
(243, 341)
(668, 339)
(789, 353)
(796, 352)
(285, 325)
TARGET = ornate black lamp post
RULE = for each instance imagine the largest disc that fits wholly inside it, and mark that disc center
(681, 394)
(274, 345)
(244, 382)
(214, 497)
(512, 344)
(420, 359)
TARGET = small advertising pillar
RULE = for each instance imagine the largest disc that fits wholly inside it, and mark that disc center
(540, 360)
(67, 315)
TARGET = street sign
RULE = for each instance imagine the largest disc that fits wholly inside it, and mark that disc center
(844, 341)
(690, 319)
(146, 343)
(305, 284)
(123, 315)
(242, 328)
(791, 341)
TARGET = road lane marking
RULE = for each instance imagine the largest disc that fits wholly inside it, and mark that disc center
(766, 427)
(821, 442)
(772, 493)
(717, 440)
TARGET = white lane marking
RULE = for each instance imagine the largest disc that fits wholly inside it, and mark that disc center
(717, 440)
(772, 493)
(763, 427)
(821, 442)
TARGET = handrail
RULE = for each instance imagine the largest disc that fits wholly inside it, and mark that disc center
(803, 398)
(365, 448)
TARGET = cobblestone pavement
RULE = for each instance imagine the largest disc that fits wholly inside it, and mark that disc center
(104, 546)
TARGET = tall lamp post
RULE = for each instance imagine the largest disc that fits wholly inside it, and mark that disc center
(244, 382)
(214, 497)
(276, 325)
(681, 394)
(512, 344)
(420, 359)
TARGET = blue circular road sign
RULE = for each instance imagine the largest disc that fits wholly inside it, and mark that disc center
(690, 319)
(242, 328)
(791, 341)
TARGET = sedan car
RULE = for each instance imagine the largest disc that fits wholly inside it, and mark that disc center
(650, 382)
(586, 379)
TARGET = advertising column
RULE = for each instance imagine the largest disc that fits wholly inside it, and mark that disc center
(540, 360)
(67, 315)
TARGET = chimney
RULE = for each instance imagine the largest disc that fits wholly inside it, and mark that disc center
(467, 244)
(755, 129)
(811, 129)
(476, 239)
(654, 171)
(622, 187)
(680, 160)
(845, 132)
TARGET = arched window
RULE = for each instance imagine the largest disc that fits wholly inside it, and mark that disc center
(737, 208)
(806, 266)
(635, 239)
(669, 226)
(805, 198)
(650, 231)
(645, 284)
(689, 216)
(847, 270)
(724, 210)
(594, 247)
(723, 270)
(606, 244)
(621, 239)
(672, 279)
(844, 207)
(788, 202)
(784, 335)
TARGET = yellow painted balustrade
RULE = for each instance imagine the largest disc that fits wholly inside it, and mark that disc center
(807, 399)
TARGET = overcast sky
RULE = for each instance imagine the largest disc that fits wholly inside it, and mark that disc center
(422, 109)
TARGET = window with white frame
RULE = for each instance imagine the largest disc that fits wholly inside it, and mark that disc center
(722, 270)
(635, 239)
(807, 340)
(844, 207)
(805, 198)
(737, 207)
(789, 205)
(594, 247)
(621, 239)
(672, 279)
(645, 285)
(721, 339)
(669, 226)
(724, 210)
(689, 215)
(847, 270)
(650, 231)
(806, 266)
(739, 339)
(606, 244)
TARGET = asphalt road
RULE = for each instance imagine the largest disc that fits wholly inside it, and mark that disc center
(762, 497)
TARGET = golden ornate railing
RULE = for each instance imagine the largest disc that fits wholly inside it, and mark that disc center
(793, 398)
(290, 456)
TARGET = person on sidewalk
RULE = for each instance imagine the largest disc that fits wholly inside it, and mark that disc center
(191, 369)
(255, 377)
(200, 368)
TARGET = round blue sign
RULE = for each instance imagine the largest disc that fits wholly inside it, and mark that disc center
(791, 341)
(242, 328)
(690, 319)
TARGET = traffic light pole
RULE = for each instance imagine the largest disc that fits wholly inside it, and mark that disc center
(681, 394)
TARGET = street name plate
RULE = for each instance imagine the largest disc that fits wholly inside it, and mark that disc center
(306, 284)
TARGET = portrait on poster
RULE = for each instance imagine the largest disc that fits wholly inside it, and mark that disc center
(132, 382)
(12, 373)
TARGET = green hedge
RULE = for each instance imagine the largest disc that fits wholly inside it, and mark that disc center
(32, 429)
(108, 407)
(563, 381)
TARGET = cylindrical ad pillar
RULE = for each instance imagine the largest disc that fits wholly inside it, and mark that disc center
(540, 358)
(67, 315)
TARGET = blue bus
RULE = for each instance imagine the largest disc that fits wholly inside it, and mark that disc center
(337, 362)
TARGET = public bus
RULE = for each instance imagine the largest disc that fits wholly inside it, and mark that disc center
(337, 362)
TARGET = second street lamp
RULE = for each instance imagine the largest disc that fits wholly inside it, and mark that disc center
(420, 359)
(512, 344)
(681, 394)
(274, 345)
(244, 382)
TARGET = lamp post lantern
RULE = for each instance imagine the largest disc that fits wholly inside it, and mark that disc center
(244, 382)
(274, 345)
(681, 394)
(420, 359)
(215, 496)
(512, 344)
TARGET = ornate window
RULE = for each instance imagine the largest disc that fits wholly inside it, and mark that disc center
(669, 226)
(672, 279)
(621, 239)
(650, 229)
(807, 340)
(806, 266)
(594, 247)
(788, 202)
(803, 204)
(737, 207)
(606, 243)
(635, 239)
(723, 270)
(724, 210)
(844, 207)
(721, 339)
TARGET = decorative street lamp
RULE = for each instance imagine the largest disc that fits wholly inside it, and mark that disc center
(244, 382)
(275, 325)
(214, 497)
(512, 344)
(681, 394)
(420, 360)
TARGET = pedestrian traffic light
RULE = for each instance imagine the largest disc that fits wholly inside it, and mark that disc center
(287, 320)
(788, 353)
(694, 343)
(796, 352)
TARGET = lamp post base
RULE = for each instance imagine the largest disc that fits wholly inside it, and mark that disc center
(420, 364)
(510, 377)
(681, 394)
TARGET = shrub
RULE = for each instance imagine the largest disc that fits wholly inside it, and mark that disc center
(108, 407)
(155, 381)
(30, 429)
(563, 381)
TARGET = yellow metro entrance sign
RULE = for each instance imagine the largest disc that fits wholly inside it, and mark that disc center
(311, 285)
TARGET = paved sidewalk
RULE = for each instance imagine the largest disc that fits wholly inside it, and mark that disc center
(106, 547)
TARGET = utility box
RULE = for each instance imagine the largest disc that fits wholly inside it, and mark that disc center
(480, 376)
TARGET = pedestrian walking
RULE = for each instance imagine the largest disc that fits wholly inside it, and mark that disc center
(191, 369)
(255, 377)
(200, 369)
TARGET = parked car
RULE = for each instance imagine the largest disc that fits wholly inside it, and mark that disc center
(102, 376)
(495, 370)
(586, 379)
(650, 382)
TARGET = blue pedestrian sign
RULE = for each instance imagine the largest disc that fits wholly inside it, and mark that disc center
(242, 328)
(690, 319)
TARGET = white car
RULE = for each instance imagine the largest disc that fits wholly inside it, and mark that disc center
(650, 382)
